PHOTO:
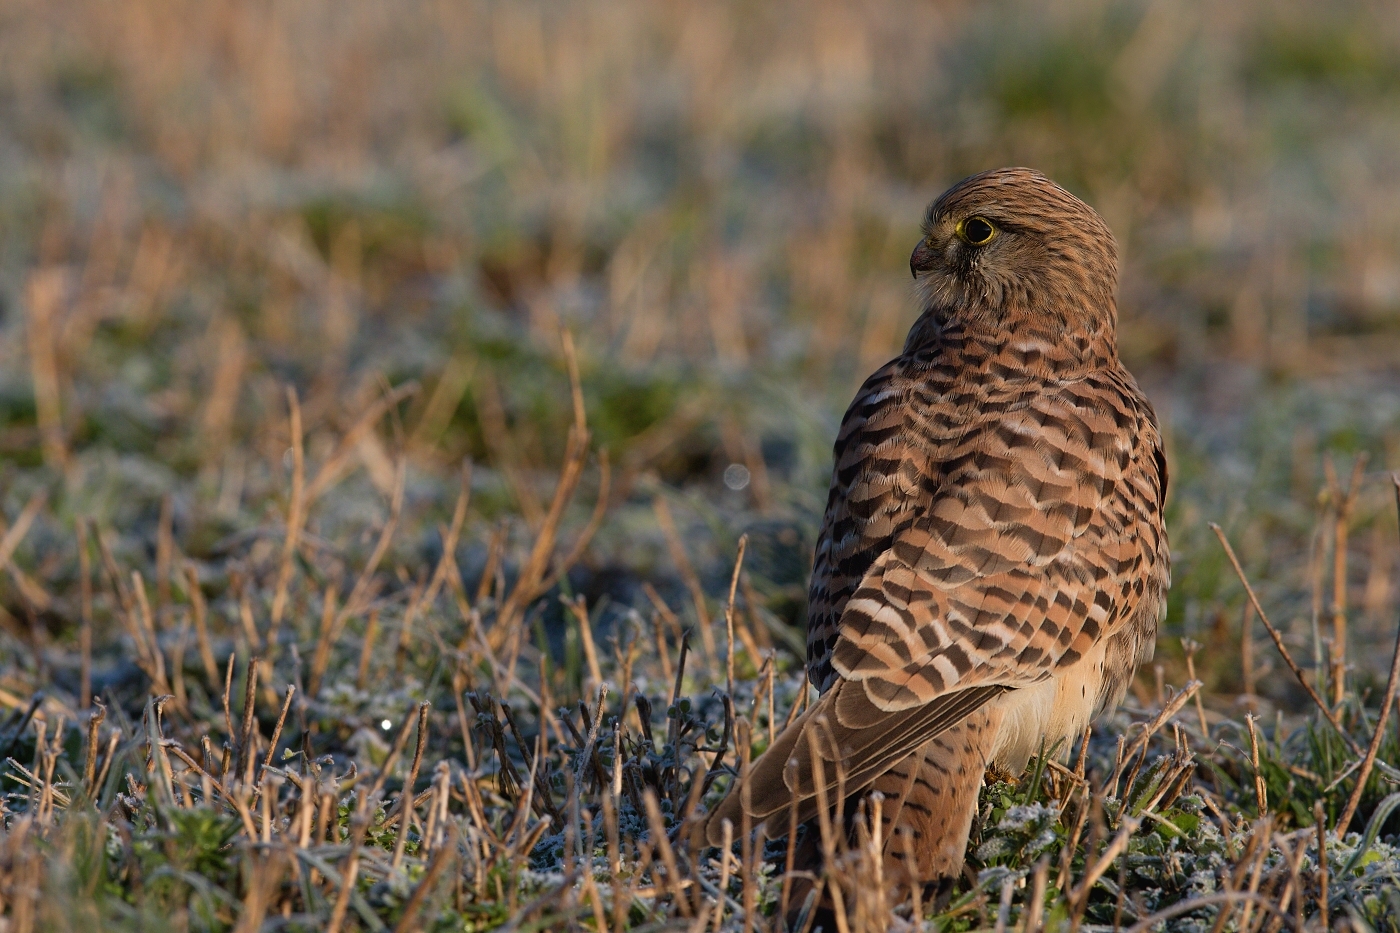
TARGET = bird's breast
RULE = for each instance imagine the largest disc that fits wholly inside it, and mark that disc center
(1055, 710)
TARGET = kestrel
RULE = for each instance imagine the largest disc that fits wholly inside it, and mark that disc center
(993, 564)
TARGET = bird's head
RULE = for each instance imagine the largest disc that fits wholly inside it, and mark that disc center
(1011, 249)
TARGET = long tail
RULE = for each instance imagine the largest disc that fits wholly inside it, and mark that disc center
(843, 742)
(930, 800)
(928, 803)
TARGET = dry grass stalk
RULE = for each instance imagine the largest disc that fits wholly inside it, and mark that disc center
(1264, 832)
(12, 538)
(579, 608)
(831, 837)
(1088, 801)
(392, 759)
(244, 748)
(43, 297)
(748, 847)
(404, 643)
(367, 646)
(230, 364)
(165, 556)
(203, 773)
(245, 617)
(404, 807)
(296, 516)
(1346, 505)
(408, 922)
(724, 856)
(85, 608)
(350, 868)
(665, 614)
(1392, 684)
(338, 463)
(435, 834)
(534, 575)
(200, 613)
(1232, 881)
(668, 856)
(447, 563)
(1316, 580)
(107, 759)
(325, 633)
(729, 618)
(227, 693)
(149, 646)
(451, 386)
(1293, 861)
(1278, 643)
(1079, 897)
(1138, 749)
(361, 592)
(1320, 822)
(1247, 651)
(491, 574)
(1036, 911)
(1261, 794)
(277, 730)
(1004, 905)
(501, 445)
(333, 623)
(90, 760)
(692, 580)
(1190, 647)
(177, 662)
(595, 521)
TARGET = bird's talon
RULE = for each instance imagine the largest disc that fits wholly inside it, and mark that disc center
(998, 775)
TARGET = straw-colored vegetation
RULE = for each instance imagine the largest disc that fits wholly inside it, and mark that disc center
(415, 420)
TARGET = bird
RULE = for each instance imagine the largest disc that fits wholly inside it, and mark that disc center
(993, 563)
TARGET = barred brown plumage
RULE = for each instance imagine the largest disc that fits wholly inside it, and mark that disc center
(992, 564)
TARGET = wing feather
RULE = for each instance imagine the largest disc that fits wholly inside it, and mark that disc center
(973, 543)
(856, 742)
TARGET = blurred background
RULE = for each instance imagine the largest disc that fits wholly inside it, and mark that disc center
(205, 201)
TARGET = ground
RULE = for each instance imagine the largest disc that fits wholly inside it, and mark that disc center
(450, 354)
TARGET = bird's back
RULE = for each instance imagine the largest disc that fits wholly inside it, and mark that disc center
(994, 453)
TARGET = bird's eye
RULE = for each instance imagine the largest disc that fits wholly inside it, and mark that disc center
(977, 231)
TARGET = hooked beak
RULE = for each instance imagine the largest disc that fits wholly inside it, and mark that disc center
(921, 260)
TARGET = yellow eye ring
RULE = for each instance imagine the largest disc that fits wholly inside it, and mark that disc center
(976, 231)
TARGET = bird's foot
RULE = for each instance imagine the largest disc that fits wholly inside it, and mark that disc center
(997, 775)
